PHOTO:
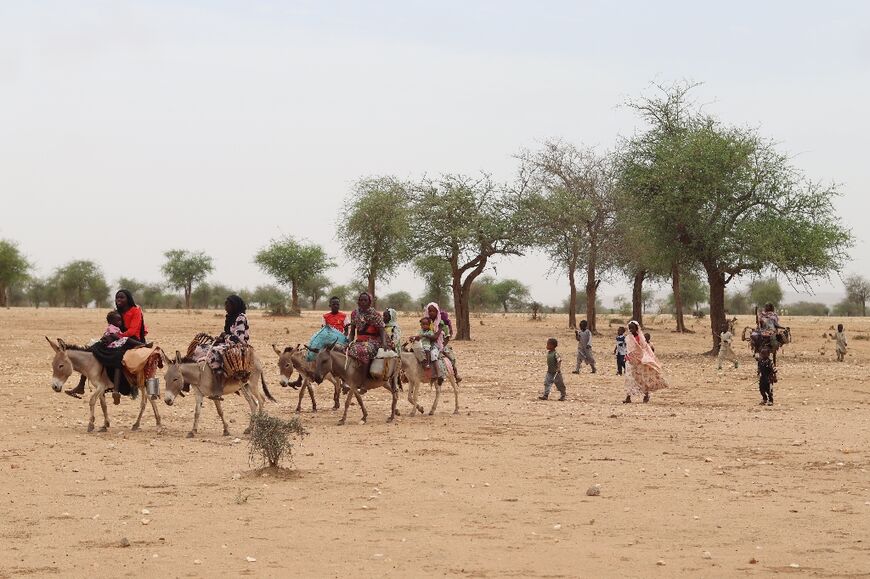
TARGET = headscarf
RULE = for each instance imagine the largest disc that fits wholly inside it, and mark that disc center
(368, 295)
(237, 306)
(639, 349)
(392, 327)
(436, 322)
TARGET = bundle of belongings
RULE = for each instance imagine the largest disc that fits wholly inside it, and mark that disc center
(325, 336)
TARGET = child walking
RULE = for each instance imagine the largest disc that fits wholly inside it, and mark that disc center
(620, 350)
(554, 371)
(766, 377)
(725, 351)
(584, 347)
(841, 343)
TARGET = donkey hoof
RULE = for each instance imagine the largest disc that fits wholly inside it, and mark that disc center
(136, 426)
(90, 427)
(103, 429)
(456, 411)
(431, 413)
(341, 422)
(298, 410)
(190, 434)
(226, 432)
(314, 410)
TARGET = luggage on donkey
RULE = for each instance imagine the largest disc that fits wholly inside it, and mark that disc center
(198, 348)
(325, 336)
(238, 362)
(384, 365)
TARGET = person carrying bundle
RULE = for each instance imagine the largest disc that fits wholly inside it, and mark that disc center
(236, 332)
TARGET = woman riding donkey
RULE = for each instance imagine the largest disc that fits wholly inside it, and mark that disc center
(441, 319)
(236, 333)
(132, 325)
(367, 331)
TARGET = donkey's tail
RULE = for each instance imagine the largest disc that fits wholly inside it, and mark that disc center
(266, 389)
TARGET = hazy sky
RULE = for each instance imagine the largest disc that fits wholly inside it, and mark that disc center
(130, 128)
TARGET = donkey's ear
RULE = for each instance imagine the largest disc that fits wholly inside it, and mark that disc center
(52, 344)
(166, 359)
(178, 357)
(61, 344)
(277, 351)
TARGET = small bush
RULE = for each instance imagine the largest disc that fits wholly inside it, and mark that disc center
(271, 439)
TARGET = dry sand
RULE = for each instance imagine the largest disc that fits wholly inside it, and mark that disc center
(701, 482)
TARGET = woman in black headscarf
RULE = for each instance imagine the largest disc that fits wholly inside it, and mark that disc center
(235, 332)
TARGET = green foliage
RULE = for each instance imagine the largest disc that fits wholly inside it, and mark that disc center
(315, 288)
(210, 296)
(581, 303)
(272, 439)
(293, 263)
(482, 297)
(400, 301)
(13, 268)
(466, 222)
(437, 277)
(738, 303)
(151, 295)
(858, 291)
(511, 294)
(376, 233)
(38, 291)
(79, 283)
(184, 268)
(848, 307)
(273, 298)
(764, 291)
(693, 290)
(806, 309)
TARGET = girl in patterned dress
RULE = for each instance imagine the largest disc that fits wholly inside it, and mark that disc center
(644, 372)
(235, 333)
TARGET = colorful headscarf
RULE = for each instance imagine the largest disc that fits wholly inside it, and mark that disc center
(392, 327)
(639, 349)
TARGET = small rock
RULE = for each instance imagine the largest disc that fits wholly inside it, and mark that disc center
(197, 562)
(146, 521)
(794, 566)
(146, 512)
(557, 526)
(237, 476)
(708, 459)
(125, 542)
(250, 559)
(707, 555)
(660, 563)
(753, 561)
(237, 440)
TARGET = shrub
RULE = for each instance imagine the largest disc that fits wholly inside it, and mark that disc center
(271, 438)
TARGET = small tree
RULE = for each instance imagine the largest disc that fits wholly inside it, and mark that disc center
(81, 282)
(858, 291)
(37, 291)
(184, 268)
(511, 293)
(314, 288)
(13, 268)
(271, 297)
(763, 291)
(436, 275)
(399, 301)
(293, 263)
(375, 233)
(272, 439)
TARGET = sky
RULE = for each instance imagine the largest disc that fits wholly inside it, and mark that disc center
(131, 128)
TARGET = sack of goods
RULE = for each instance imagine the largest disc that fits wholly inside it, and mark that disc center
(239, 362)
(419, 352)
(384, 365)
(325, 336)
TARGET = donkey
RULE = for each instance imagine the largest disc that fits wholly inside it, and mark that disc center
(69, 359)
(201, 379)
(294, 359)
(356, 376)
(414, 371)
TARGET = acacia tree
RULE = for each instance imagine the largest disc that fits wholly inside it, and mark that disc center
(81, 282)
(13, 268)
(293, 263)
(184, 268)
(437, 276)
(731, 202)
(376, 232)
(467, 221)
(858, 291)
(315, 288)
(763, 291)
(574, 213)
(511, 293)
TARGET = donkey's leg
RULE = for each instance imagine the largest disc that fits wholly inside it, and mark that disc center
(362, 406)
(91, 403)
(350, 394)
(394, 391)
(220, 411)
(313, 400)
(105, 413)
(142, 398)
(455, 383)
(437, 396)
(156, 414)
(301, 394)
(197, 408)
(252, 403)
(335, 392)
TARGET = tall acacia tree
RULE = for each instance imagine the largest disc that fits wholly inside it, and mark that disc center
(467, 221)
(575, 212)
(13, 268)
(730, 200)
(293, 263)
(184, 268)
(81, 282)
(376, 232)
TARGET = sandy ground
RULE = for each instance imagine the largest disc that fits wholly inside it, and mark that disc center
(701, 482)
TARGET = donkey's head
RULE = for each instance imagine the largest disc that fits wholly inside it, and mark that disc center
(323, 363)
(286, 363)
(173, 379)
(61, 365)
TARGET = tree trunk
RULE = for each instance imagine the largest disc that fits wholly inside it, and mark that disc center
(591, 286)
(460, 303)
(637, 296)
(572, 297)
(504, 305)
(716, 279)
(2, 295)
(188, 293)
(678, 297)
(294, 298)
(863, 306)
(371, 287)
